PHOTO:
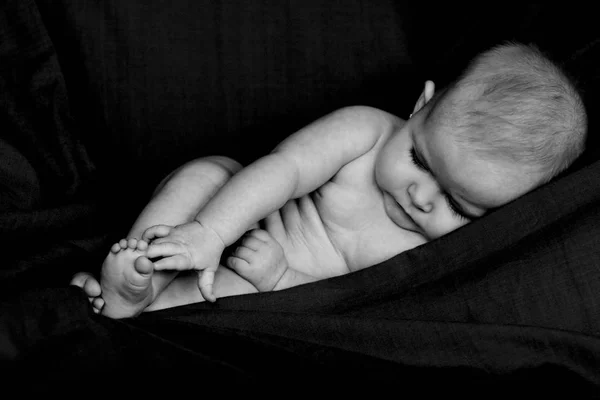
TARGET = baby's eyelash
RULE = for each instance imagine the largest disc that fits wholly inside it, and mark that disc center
(415, 160)
(453, 208)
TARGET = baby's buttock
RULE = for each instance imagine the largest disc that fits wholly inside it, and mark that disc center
(306, 241)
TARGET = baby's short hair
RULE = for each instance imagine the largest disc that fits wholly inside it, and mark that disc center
(513, 103)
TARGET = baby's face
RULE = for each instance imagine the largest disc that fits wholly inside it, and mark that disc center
(432, 185)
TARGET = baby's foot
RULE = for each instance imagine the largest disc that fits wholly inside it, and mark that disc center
(126, 280)
(91, 287)
(259, 259)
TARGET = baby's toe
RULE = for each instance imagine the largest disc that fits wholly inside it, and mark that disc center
(115, 248)
(79, 279)
(92, 287)
(143, 265)
(132, 243)
(123, 244)
(98, 304)
(142, 245)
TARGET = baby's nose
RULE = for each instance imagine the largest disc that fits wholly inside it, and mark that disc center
(422, 196)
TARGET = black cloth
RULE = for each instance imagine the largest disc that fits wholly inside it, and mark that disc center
(100, 99)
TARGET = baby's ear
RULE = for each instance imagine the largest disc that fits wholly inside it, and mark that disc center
(426, 95)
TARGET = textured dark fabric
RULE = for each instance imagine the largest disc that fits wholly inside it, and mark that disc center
(42, 154)
(47, 178)
(100, 99)
(162, 82)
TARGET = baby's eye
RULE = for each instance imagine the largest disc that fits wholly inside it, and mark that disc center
(456, 211)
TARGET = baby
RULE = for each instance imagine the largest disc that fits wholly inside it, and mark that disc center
(348, 191)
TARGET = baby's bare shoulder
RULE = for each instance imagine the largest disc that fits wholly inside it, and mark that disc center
(370, 112)
(360, 170)
(367, 118)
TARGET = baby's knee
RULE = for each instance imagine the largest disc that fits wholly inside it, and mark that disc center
(229, 164)
(217, 168)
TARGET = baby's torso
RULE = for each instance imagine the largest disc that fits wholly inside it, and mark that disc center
(341, 227)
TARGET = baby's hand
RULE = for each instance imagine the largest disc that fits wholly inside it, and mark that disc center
(184, 247)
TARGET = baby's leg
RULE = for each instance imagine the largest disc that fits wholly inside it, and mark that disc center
(177, 200)
(259, 259)
(184, 289)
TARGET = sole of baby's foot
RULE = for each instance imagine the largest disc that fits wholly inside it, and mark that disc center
(259, 259)
(91, 287)
(126, 279)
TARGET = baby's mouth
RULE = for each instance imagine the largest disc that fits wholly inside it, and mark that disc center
(408, 215)
(398, 214)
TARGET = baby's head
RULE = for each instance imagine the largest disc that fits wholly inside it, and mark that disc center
(511, 122)
(513, 105)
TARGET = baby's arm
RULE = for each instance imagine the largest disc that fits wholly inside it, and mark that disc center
(299, 165)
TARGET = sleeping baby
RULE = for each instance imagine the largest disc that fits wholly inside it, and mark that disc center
(348, 191)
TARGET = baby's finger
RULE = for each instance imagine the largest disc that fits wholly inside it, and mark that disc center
(176, 262)
(205, 284)
(253, 243)
(245, 253)
(260, 234)
(156, 231)
(164, 249)
(237, 264)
